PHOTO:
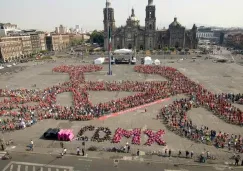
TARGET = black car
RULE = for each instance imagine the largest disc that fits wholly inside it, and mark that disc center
(51, 133)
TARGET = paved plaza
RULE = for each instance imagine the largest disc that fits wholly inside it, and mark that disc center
(217, 77)
(36, 162)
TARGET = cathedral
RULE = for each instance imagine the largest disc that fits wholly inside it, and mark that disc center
(134, 36)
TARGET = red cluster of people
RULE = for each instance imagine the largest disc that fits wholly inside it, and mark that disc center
(175, 115)
(135, 134)
(155, 137)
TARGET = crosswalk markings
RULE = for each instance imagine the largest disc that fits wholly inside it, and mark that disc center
(32, 167)
(11, 167)
(19, 166)
(85, 160)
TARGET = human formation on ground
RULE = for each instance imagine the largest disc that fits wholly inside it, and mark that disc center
(19, 113)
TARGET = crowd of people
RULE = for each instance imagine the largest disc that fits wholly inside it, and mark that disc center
(17, 110)
(175, 115)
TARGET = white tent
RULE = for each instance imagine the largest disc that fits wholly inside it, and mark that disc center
(148, 61)
(99, 61)
(157, 62)
(123, 51)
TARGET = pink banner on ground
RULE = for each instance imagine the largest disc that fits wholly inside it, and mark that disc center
(65, 135)
(132, 109)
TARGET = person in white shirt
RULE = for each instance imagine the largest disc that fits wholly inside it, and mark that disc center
(32, 145)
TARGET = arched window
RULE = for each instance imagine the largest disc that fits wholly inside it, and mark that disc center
(118, 47)
(141, 47)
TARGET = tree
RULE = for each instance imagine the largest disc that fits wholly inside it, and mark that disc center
(165, 49)
(97, 37)
(179, 49)
(172, 49)
(76, 42)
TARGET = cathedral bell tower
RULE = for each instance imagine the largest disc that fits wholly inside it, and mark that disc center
(150, 20)
(109, 20)
(150, 26)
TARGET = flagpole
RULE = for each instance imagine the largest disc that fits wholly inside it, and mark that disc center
(109, 38)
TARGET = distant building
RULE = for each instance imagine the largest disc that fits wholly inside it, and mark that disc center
(42, 37)
(57, 42)
(10, 50)
(25, 41)
(234, 40)
(205, 33)
(5, 28)
(61, 30)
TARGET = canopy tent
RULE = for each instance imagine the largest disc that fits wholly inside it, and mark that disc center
(148, 61)
(99, 61)
(157, 62)
(123, 51)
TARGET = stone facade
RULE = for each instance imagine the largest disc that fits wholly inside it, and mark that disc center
(147, 37)
(42, 38)
(10, 50)
(57, 42)
(24, 39)
(35, 42)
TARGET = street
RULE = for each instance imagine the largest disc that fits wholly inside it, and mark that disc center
(38, 162)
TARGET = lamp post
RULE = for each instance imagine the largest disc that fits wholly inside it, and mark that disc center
(108, 36)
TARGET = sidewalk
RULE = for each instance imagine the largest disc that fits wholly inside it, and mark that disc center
(119, 156)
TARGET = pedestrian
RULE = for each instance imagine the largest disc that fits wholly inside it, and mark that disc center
(236, 161)
(169, 152)
(2, 146)
(31, 145)
(229, 145)
(179, 154)
(64, 151)
(78, 151)
(165, 152)
(82, 152)
(61, 144)
(128, 148)
(138, 152)
(192, 153)
(187, 153)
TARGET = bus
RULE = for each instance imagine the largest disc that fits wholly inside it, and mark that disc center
(124, 56)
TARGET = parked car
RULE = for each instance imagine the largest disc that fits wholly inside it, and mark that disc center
(51, 133)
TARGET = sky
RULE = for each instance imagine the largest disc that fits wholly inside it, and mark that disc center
(47, 14)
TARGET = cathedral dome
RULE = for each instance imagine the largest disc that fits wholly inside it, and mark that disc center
(134, 18)
(175, 23)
